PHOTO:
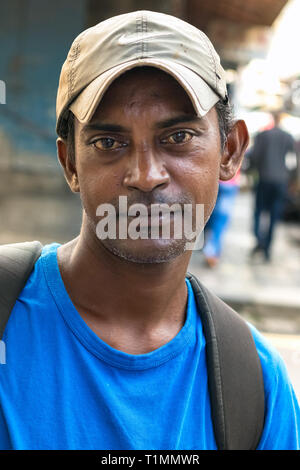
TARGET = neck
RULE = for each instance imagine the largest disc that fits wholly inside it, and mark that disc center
(116, 291)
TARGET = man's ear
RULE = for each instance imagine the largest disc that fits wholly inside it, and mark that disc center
(68, 163)
(234, 150)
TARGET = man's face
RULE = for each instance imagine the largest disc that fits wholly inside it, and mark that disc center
(145, 142)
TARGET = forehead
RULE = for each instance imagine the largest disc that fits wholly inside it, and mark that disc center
(142, 88)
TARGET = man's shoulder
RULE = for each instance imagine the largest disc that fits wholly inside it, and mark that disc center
(284, 134)
(272, 131)
(42, 271)
(21, 275)
(273, 365)
(32, 298)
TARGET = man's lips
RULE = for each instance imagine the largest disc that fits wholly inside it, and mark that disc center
(154, 214)
(153, 209)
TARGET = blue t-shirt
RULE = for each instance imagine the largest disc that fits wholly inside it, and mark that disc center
(62, 387)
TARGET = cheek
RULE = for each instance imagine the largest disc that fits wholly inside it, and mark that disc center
(206, 191)
(211, 201)
(200, 177)
(97, 186)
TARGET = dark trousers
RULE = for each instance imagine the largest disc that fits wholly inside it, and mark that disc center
(269, 200)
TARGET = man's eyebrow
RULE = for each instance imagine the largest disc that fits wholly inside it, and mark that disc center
(110, 127)
(98, 126)
(177, 120)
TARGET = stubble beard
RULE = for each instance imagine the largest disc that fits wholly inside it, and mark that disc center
(163, 254)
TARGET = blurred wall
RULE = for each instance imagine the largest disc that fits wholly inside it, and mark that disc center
(99, 10)
(35, 38)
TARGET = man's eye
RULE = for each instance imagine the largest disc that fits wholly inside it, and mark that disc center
(106, 143)
(179, 137)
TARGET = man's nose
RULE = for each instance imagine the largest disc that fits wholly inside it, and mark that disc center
(146, 171)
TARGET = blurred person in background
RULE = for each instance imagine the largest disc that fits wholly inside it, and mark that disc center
(268, 159)
(219, 221)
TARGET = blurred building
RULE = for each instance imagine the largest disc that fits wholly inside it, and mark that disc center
(36, 36)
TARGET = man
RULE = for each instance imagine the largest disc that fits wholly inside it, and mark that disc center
(268, 157)
(105, 340)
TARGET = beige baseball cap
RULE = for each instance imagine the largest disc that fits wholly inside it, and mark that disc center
(102, 53)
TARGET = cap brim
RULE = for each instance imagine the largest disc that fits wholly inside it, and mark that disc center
(201, 94)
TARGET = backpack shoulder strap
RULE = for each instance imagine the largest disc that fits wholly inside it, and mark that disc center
(235, 377)
(16, 263)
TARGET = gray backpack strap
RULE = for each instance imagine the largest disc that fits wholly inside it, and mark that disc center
(235, 377)
(16, 263)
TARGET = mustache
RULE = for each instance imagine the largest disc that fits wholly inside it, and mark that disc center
(149, 199)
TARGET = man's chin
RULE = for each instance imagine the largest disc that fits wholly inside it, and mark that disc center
(146, 251)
